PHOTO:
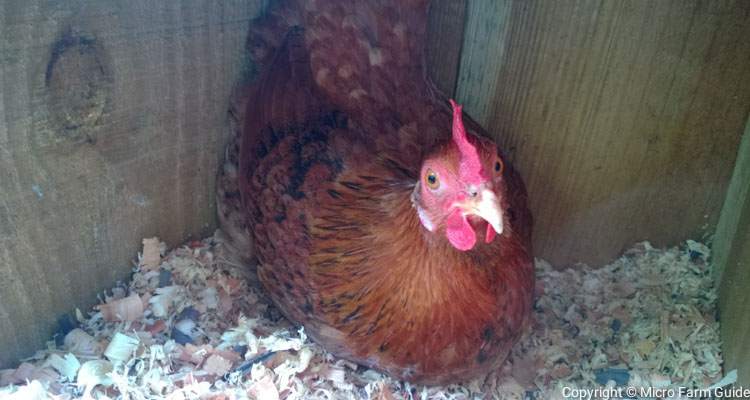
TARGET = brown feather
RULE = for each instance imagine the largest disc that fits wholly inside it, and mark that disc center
(327, 182)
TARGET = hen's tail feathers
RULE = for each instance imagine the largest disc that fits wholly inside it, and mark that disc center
(237, 245)
(265, 36)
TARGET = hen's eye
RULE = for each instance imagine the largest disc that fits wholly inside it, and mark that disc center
(432, 179)
(499, 166)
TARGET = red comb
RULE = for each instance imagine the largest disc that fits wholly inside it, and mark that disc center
(470, 168)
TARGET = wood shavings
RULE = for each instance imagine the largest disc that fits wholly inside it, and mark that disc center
(23, 373)
(94, 373)
(165, 298)
(79, 342)
(203, 332)
(194, 354)
(185, 331)
(126, 309)
(27, 372)
(151, 253)
(217, 365)
(121, 348)
(384, 393)
(67, 366)
(35, 390)
(263, 389)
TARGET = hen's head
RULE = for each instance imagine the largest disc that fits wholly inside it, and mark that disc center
(458, 191)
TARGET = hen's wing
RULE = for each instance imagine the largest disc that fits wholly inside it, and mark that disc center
(295, 147)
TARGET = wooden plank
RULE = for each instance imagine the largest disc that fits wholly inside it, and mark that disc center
(445, 36)
(485, 37)
(729, 230)
(111, 123)
(624, 117)
(731, 255)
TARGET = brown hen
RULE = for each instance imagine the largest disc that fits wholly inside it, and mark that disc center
(395, 238)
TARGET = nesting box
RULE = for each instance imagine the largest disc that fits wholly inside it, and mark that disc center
(628, 121)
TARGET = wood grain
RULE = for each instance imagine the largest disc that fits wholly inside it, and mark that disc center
(445, 37)
(624, 117)
(731, 255)
(111, 123)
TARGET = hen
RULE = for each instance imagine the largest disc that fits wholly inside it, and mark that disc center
(397, 239)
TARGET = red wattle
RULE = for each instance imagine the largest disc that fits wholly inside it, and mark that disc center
(459, 231)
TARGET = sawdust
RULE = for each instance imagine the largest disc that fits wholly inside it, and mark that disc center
(188, 326)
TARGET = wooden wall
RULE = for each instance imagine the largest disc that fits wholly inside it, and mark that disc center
(111, 122)
(731, 255)
(624, 117)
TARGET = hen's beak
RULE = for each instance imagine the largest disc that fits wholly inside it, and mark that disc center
(485, 205)
(488, 208)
